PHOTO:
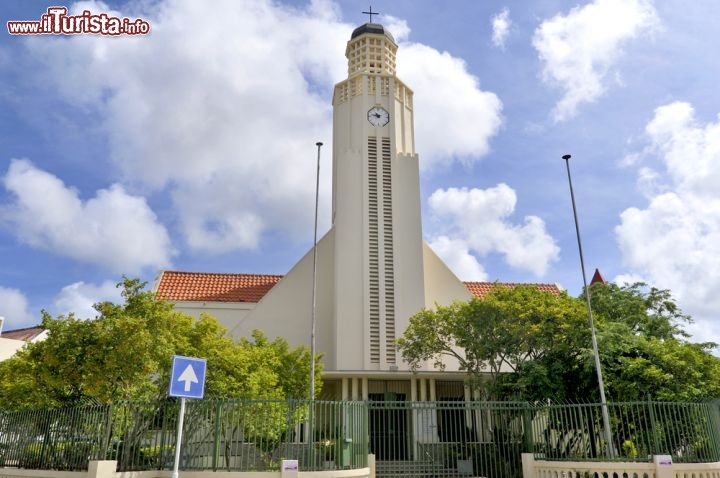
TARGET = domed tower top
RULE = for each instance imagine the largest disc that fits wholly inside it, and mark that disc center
(375, 28)
(371, 49)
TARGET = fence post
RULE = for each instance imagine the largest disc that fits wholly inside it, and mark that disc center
(46, 435)
(529, 444)
(663, 466)
(216, 438)
(102, 468)
(528, 465)
(653, 428)
(108, 430)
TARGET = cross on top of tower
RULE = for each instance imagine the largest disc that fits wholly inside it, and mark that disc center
(371, 13)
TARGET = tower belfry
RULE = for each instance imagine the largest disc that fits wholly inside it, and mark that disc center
(378, 258)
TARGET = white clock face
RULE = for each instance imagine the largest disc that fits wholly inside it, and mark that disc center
(378, 116)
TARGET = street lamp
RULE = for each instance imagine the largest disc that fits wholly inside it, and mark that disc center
(598, 369)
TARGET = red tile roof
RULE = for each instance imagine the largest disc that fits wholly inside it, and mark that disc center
(222, 287)
(481, 289)
(26, 334)
(214, 287)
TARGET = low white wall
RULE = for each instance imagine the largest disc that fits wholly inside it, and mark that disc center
(22, 473)
(660, 467)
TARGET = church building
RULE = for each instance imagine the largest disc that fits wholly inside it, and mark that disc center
(373, 269)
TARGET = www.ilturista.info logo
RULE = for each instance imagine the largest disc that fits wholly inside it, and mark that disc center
(57, 22)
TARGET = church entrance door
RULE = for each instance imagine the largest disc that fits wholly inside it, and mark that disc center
(388, 426)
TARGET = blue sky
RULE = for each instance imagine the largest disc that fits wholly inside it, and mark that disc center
(193, 148)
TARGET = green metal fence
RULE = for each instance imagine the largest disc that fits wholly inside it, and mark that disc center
(63, 439)
(415, 438)
(448, 439)
(234, 435)
(690, 432)
(488, 438)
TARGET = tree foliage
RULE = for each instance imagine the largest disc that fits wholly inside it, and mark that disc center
(645, 350)
(126, 353)
(649, 312)
(523, 342)
(495, 335)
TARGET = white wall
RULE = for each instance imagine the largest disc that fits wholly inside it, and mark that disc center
(8, 347)
(228, 314)
(286, 310)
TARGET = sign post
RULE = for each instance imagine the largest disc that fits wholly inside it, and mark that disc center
(187, 380)
(181, 419)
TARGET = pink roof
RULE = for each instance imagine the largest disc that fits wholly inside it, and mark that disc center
(223, 287)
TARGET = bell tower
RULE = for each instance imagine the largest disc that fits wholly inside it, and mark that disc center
(378, 254)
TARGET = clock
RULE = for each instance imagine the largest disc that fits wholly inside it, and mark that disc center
(378, 116)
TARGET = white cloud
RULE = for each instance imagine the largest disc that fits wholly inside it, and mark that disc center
(456, 254)
(14, 308)
(112, 229)
(480, 219)
(690, 151)
(397, 27)
(675, 240)
(80, 297)
(630, 159)
(501, 28)
(578, 49)
(226, 119)
(628, 279)
(649, 182)
(448, 99)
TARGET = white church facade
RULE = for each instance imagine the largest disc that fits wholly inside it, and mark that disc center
(374, 271)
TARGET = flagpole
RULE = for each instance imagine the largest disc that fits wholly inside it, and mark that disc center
(596, 353)
(314, 278)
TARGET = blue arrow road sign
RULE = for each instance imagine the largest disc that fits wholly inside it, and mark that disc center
(187, 377)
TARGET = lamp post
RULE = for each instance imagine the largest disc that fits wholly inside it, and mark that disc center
(314, 279)
(598, 368)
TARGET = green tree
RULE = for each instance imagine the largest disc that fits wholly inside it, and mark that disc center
(501, 333)
(126, 353)
(520, 342)
(650, 312)
(645, 351)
